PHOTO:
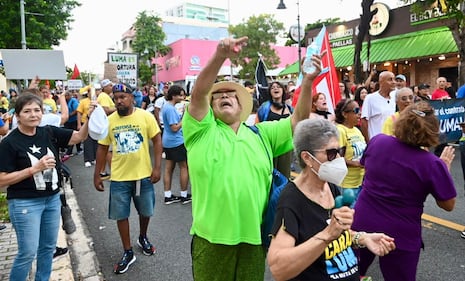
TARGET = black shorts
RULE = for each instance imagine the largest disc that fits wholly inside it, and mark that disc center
(176, 154)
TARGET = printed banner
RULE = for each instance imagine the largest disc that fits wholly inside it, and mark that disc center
(450, 113)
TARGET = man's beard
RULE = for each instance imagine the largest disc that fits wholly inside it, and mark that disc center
(123, 111)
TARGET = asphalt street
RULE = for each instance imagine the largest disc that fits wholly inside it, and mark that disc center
(442, 259)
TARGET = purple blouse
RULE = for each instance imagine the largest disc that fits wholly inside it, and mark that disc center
(398, 178)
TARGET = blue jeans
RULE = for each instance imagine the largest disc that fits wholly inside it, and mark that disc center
(121, 193)
(36, 222)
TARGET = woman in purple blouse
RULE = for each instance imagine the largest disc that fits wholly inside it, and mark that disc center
(399, 175)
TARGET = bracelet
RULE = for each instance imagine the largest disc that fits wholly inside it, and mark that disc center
(321, 239)
(357, 239)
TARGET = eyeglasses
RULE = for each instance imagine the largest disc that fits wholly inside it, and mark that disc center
(406, 98)
(355, 110)
(218, 95)
(333, 152)
(122, 88)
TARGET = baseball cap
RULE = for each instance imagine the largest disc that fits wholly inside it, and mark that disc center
(401, 77)
(97, 86)
(105, 82)
(423, 86)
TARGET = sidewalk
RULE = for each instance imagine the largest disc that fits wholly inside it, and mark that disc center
(80, 255)
(62, 269)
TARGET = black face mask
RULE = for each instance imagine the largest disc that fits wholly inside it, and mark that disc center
(322, 113)
(278, 105)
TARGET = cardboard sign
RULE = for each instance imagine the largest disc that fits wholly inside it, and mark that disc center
(27, 64)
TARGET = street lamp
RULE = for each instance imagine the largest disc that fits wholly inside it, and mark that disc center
(282, 6)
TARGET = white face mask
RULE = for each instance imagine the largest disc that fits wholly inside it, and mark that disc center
(331, 171)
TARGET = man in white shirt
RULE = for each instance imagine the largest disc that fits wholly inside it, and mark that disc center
(379, 106)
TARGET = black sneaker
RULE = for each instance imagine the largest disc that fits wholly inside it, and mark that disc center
(123, 265)
(187, 199)
(147, 248)
(59, 252)
(462, 234)
(68, 223)
(172, 199)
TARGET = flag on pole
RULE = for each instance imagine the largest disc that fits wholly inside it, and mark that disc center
(76, 72)
(327, 81)
(261, 83)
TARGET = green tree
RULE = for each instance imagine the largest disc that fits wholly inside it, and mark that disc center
(46, 23)
(262, 31)
(148, 43)
(455, 9)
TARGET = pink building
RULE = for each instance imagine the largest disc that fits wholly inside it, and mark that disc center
(188, 57)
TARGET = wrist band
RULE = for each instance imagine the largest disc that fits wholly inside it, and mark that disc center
(357, 240)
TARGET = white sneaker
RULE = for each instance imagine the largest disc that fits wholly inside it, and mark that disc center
(87, 164)
(462, 234)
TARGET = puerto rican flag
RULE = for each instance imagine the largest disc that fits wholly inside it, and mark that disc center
(327, 81)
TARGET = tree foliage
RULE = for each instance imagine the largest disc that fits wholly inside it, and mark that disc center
(46, 23)
(148, 42)
(262, 31)
(456, 10)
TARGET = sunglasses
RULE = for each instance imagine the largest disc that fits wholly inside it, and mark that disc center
(121, 88)
(355, 110)
(333, 152)
(218, 95)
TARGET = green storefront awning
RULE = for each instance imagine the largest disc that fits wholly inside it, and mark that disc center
(431, 42)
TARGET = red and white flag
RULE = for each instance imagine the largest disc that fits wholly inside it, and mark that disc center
(327, 81)
(76, 72)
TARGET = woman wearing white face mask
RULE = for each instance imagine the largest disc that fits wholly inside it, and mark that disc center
(313, 240)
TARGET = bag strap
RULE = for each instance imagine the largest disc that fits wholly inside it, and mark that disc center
(256, 131)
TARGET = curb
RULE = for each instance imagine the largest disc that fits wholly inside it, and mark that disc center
(83, 257)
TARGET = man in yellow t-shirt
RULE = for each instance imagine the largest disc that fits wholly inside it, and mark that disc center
(90, 145)
(129, 132)
(104, 97)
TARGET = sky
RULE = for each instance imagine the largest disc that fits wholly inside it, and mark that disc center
(98, 25)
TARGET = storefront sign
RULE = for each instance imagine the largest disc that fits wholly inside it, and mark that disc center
(126, 67)
(380, 20)
(429, 15)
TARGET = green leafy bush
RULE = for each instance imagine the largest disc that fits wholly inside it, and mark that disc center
(4, 216)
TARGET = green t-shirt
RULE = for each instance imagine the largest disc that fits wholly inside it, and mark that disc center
(355, 145)
(230, 176)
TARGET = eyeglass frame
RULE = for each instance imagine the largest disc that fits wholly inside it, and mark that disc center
(332, 153)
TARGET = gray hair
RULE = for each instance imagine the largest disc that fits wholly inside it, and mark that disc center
(312, 134)
(401, 91)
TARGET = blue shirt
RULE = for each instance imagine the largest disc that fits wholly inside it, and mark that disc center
(72, 106)
(461, 92)
(138, 98)
(171, 116)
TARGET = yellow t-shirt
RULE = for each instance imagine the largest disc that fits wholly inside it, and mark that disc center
(4, 103)
(105, 100)
(130, 136)
(50, 106)
(355, 145)
(388, 126)
(83, 108)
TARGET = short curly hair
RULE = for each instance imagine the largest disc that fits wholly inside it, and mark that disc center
(417, 125)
